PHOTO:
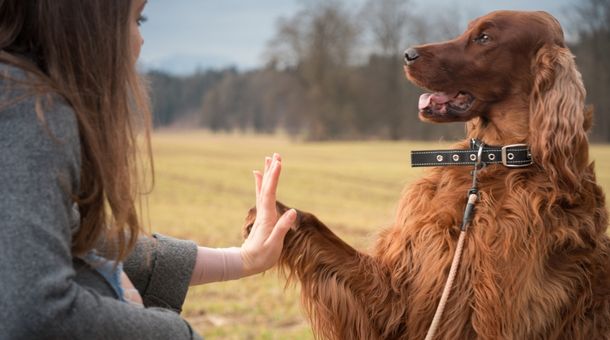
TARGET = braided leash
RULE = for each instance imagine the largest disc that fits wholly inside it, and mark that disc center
(472, 199)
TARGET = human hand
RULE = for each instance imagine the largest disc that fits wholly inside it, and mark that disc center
(262, 248)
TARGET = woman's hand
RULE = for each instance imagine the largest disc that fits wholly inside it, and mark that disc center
(261, 250)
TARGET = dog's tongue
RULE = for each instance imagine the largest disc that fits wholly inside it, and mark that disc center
(435, 98)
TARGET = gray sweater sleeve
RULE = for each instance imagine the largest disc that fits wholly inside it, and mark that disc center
(39, 298)
(160, 268)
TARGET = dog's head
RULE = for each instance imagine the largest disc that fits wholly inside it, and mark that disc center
(491, 62)
(510, 74)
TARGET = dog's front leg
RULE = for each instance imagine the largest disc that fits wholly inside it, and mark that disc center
(344, 291)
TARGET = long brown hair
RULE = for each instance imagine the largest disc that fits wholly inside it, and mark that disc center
(81, 49)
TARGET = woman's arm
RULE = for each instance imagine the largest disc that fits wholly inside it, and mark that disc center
(160, 268)
(261, 250)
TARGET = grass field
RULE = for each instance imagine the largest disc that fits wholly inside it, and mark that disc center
(204, 187)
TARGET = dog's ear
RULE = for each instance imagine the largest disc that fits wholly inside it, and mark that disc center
(559, 118)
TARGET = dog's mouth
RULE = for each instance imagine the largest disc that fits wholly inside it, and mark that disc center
(442, 106)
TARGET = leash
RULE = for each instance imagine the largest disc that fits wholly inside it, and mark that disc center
(479, 155)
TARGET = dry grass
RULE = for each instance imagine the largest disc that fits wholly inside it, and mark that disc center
(204, 188)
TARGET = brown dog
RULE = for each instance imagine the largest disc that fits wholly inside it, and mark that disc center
(536, 263)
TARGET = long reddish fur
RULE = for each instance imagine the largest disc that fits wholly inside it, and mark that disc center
(536, 263)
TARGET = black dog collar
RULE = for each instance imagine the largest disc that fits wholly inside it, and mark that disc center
(512, 156)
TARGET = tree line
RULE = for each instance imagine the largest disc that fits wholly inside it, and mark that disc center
(335, 72)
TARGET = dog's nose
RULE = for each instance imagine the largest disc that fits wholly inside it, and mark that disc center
(410, 55)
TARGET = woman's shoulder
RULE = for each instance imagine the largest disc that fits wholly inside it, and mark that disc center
(27, 111)
(38, 130)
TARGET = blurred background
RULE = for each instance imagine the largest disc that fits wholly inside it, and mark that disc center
(320, 82)
(323, 70)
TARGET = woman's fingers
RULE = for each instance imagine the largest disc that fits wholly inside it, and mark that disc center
(268, 189)
(258, 180)
(267, 164)
(259, 177)
(273, 174)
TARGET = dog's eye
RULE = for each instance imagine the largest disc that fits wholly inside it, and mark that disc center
(482, 38)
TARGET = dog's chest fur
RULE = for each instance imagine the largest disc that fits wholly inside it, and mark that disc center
(497, 259)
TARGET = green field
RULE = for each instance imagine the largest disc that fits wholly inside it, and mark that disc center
(204, 187)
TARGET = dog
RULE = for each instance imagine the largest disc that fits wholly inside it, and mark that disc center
(536, 261)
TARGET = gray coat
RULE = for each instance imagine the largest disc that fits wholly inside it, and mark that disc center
(46, 293)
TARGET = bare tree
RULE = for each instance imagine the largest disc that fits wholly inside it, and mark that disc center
(389, 21)
(319, 43)
(287, 48)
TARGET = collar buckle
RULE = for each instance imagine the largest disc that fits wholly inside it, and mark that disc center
(508, 156)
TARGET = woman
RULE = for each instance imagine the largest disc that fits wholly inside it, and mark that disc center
(70, 105)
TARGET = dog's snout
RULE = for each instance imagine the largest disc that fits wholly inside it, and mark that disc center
(411, 55)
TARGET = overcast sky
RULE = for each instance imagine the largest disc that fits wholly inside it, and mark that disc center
(182, 35)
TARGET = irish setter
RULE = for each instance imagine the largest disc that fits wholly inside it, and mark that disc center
(536, 263)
